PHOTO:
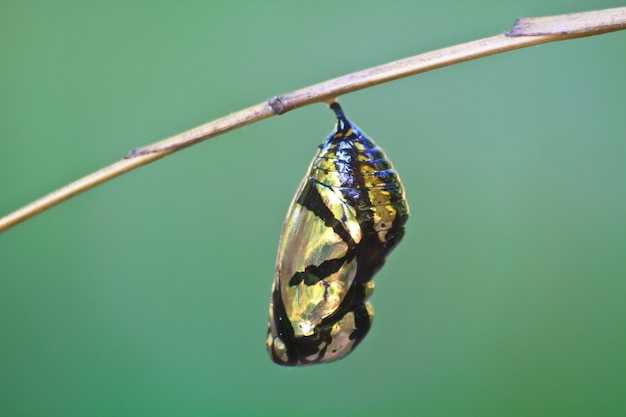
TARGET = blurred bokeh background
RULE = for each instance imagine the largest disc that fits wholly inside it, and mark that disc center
(149, 295)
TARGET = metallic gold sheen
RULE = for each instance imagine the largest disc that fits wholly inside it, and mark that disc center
(309, 304)
(346, 217)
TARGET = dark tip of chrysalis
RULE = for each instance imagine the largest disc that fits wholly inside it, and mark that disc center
(337, 109)
(343, 124)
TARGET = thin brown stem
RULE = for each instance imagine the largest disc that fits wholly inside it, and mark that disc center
(526, 32)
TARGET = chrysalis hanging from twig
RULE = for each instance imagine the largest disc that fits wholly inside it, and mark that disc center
(346, 217)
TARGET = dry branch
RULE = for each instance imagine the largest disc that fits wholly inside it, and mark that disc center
(526, 32)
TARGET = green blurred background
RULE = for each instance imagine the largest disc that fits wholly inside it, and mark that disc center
(149, 295)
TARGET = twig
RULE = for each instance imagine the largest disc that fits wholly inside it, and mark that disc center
(526, 32)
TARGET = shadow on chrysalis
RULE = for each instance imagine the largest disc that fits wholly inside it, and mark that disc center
(346, 217)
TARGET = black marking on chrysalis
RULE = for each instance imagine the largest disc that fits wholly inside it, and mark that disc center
(346, 217)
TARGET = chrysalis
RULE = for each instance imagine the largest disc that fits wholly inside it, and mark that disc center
(346, 217)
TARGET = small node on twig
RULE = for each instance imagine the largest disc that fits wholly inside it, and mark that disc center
(276, 103)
